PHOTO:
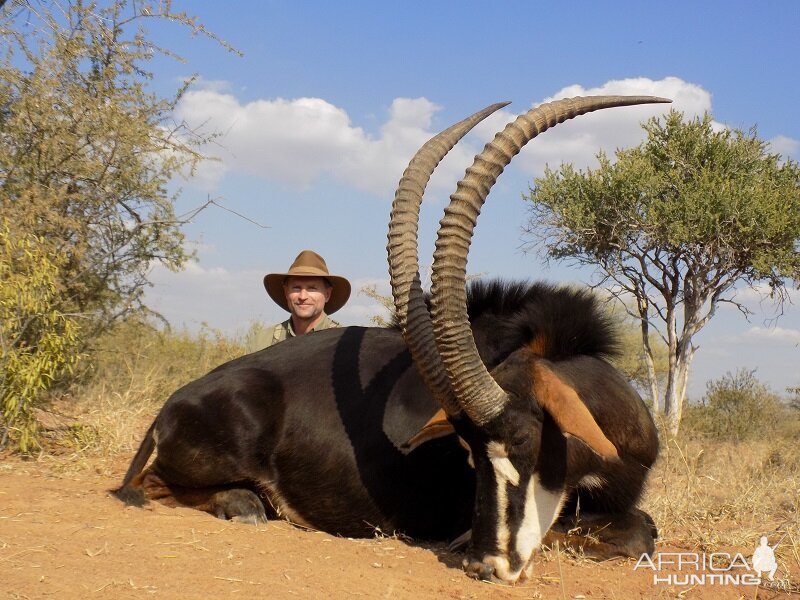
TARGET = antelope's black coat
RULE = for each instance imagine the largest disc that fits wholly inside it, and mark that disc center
(316, 425)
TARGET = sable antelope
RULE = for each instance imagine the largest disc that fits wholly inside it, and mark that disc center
(493, 417)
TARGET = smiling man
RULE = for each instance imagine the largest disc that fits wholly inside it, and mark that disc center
(309, 292)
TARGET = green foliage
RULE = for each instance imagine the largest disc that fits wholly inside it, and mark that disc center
(711, 199)
(739, 407)
(88, 149)
(38, 343)
(86, 155)
(675, 224)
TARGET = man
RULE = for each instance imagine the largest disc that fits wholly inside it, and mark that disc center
(309, 292)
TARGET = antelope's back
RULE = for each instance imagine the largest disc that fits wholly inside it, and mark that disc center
(319, 423)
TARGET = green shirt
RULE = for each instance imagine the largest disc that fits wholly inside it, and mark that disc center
(270, 336)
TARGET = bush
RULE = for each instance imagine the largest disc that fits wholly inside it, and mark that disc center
(739, 407)
(38, 343)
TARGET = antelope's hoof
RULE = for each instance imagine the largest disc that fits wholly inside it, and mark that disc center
(239, 505)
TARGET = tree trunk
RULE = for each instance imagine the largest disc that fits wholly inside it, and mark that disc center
(672, 403)
(677, 380)
(652, 378)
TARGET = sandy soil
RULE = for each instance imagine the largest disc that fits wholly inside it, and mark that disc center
(62, 536)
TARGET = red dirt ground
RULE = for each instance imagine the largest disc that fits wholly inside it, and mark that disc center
(62, 536)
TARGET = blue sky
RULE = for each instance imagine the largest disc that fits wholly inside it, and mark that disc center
(330, 100)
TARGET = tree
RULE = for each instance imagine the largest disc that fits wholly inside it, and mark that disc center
(631, 359)
(675, 224)
(86, 154)
(87, 151)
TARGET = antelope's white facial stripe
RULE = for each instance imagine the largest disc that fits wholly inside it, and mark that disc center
(504, 470)
(541, 509)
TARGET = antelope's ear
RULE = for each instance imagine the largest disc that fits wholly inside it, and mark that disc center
(569, 412)
(436, 427)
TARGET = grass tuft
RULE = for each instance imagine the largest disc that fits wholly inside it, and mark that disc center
(709, 491)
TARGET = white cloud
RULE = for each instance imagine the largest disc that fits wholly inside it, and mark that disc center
(297, 141)
(579, 141)
(785, 146)
(213, 296)
(376, 165)
(216, 85)
(286, 140)
(779, 335)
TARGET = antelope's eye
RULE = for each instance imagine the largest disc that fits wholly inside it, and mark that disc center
(519, 441)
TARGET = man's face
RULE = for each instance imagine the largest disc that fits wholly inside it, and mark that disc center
(306, 296)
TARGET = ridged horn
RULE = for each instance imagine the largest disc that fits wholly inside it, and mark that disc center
(409, 301)
(477, 393)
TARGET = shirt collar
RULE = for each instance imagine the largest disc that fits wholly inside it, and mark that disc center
(325, 320)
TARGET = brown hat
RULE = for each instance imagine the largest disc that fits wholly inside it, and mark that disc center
(308, 264)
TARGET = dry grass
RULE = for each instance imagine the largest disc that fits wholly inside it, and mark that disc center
(135, 370)
(706, 495)
(716, 496)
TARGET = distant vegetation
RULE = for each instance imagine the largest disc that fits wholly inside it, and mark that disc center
(673, 227)
(137, 365)
(122, 385)
(86, 155)
(730, 476)
(739, 407)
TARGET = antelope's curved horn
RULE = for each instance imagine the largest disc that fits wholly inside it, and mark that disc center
(409, 301)
(477, 393)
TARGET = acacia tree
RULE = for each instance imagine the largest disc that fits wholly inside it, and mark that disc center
(675, 224)
(87, 150)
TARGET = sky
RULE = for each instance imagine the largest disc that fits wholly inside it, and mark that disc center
(329, 100)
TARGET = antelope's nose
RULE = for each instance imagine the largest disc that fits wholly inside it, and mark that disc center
(479, 570)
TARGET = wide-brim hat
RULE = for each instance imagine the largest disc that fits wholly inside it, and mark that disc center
(308, 264)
